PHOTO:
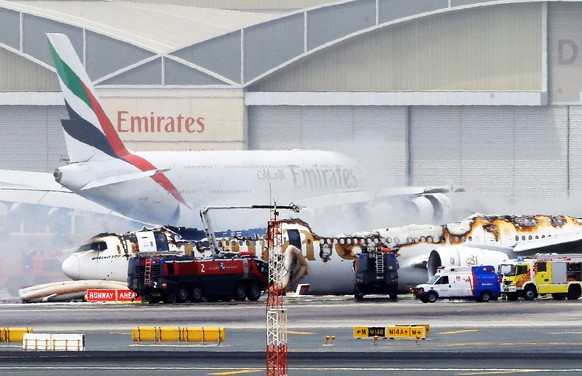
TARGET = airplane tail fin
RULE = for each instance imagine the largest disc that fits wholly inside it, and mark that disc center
(89, 133)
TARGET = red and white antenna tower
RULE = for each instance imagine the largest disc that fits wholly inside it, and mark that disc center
(276, 314)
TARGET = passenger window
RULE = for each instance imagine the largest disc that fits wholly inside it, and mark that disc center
(542, 267)
(444, 280)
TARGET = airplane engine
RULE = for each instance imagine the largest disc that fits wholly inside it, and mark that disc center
(462, 256)
(432, 208)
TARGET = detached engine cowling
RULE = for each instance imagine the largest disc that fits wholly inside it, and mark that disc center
(462, 256)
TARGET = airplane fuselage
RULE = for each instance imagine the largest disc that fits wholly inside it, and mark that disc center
(209, 178)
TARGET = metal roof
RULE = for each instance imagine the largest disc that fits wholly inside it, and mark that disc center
(155, 27)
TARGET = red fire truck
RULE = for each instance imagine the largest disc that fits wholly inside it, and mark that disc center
(29, 268)
(173, 278)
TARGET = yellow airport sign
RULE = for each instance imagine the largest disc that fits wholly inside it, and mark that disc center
(417, 332)
(365, 332)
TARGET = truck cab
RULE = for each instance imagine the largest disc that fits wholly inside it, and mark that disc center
(472, 282)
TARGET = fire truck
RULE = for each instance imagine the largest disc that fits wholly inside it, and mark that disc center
(558, 275)
(376, 273)
(29, 268)
(175, 278)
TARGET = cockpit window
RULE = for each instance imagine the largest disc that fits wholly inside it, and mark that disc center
(161, 242)
(95, 246)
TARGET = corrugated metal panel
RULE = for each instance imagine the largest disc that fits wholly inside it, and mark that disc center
(274, 127)
(507, 154)
(162, 28)
(541, 154)
(565, 42)
(575, 147)
(461, 51)
(20, 74)
(238, 4)
(376, 136)
(435, 145)
(32, 138)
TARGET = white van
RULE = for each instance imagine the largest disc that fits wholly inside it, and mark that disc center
(468, 282)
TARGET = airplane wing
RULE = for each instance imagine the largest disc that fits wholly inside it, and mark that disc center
(40, 188)
(359, 196)
(561, 243)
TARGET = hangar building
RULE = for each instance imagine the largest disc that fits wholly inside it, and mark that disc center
(483, 94)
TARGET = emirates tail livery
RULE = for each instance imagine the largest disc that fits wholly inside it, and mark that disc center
(170, 187)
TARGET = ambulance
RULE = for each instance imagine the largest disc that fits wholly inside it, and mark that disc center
(467, 282)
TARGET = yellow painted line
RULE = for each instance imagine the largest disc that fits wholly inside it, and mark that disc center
(292, 332)
(239, 372)
(461, 331)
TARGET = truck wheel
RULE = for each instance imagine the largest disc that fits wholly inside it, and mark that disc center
(393, 296)
(357, 294)
(197, 294)
(254, 292)
(182, 295)
(573, 292)
(512, 296)
(484, 297)
(431, 297)
(530, 293)
(240, 292)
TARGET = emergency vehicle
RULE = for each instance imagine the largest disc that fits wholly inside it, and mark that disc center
(29, 268)
(376, 273)
(558, 275)
(466, 282)
(174, 278)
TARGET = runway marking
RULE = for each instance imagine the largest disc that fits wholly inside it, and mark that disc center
(461, 331)
(293, 332)
(508, 344)
(505, 372)
(237, 372)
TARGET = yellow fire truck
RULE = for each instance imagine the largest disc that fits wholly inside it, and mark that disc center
(559, 275)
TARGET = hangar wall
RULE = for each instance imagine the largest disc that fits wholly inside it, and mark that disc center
(464, 50)
(30, 141)
(487, 149)
(510, 153)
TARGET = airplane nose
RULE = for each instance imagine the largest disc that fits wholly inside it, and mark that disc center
(71, 267)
